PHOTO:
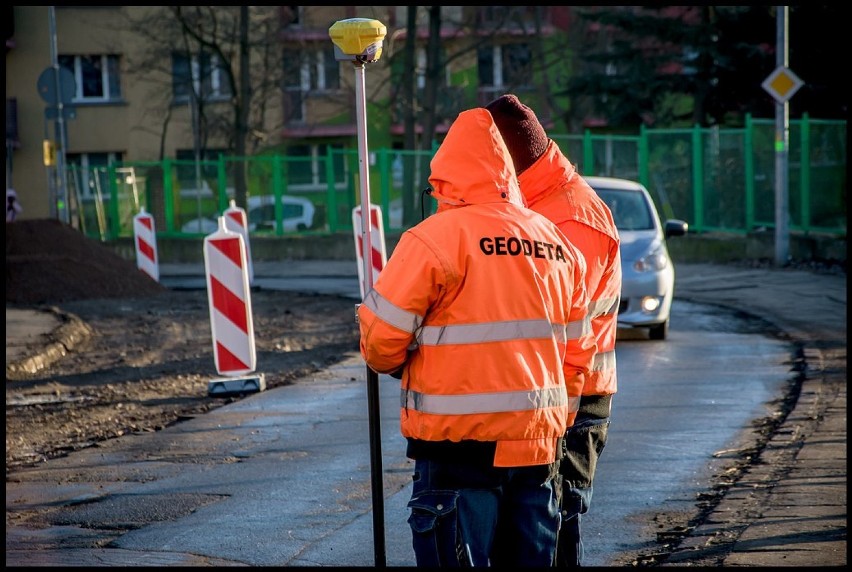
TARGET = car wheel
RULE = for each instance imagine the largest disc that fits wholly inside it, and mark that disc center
(659, 332)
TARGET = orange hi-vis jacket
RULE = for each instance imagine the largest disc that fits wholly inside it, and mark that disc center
(552, 187)
(485, 305)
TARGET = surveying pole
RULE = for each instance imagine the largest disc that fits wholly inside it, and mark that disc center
(359, 40)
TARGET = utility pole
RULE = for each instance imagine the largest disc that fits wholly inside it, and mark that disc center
(61, 171)
(782, 138)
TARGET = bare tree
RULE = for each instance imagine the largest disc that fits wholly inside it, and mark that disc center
(235, 45)
(447, 36)
(406, 99)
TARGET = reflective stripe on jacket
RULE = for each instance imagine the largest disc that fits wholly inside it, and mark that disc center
(485, 305)
(553, 188)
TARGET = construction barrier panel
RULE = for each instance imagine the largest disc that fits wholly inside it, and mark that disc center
(237, 221)
(145, 238)
(229, 298)
(378, 253)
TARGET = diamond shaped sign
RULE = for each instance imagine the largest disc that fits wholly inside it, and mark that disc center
(782, 84)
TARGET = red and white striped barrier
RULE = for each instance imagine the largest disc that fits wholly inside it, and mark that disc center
(378, 254)
(237, 221)
(145, 237)
(229, 298)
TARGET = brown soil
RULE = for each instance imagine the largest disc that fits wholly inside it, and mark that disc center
(147, 356)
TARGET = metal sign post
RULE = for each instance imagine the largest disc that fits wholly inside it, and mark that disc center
(359, 40)
(782, 84)
(62, 204)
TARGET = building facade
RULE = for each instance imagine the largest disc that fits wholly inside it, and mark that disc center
(145, 83)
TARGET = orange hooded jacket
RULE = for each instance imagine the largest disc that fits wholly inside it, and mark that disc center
(485, 305)
(552, 187)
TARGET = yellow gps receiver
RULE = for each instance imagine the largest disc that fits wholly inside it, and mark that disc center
(358, 39)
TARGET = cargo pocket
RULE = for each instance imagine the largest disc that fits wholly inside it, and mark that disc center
(434, 529)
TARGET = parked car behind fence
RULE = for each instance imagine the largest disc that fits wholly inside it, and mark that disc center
(297, 215)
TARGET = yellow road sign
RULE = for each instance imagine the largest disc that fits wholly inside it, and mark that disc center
(782, 84)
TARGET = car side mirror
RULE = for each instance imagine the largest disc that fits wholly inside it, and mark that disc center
(676, 227)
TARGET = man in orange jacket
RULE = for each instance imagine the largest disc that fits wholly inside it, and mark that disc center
(552, 187)
(483, 305)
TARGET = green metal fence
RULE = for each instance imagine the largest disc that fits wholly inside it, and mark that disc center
(718, 180)
(724, 179)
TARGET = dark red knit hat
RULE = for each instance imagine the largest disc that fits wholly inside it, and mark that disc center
(523, 134)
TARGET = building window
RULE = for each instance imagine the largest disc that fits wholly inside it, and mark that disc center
(312, 70)
(292, 15)
(208, 170)
(420, 68)
(206, 75)
(310, 175)
(307, 72)
(87, 174)
(96, 77)
(505, 67)
(506, 17)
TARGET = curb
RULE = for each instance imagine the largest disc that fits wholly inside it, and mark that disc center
(70, 333)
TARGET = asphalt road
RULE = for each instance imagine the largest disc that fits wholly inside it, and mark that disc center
(282, 477)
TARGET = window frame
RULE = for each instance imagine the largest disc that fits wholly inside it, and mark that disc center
(316, 151)
(212, 86)
(498, 58)
(316, 68)
(109, 81)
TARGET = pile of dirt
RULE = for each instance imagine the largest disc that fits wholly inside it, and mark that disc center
(48, 262)
(146, 357)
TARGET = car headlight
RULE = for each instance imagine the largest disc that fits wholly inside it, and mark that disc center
(657, 259)
(650, 304)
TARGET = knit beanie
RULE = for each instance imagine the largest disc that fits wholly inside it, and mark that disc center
(524, 136)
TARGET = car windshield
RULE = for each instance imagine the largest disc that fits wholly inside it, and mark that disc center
(629, 209)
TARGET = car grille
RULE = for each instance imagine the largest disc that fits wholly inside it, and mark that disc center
(622, 306)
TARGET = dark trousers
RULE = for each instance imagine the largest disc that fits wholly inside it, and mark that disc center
(582, 446)
(477, 515)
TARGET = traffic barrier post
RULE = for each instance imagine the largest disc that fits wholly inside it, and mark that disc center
(145, 239)
(237, 221)
(231, 323)
(378, 254)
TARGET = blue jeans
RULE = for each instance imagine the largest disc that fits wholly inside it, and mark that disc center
(581, 448)
(460, 512)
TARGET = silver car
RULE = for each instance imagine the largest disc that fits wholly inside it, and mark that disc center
(297, 215)
(648, 274)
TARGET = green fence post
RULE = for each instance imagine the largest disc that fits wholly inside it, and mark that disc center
(805, 170)
(330, 190)
(748, 160)
(644, 172)
(168, 193)
(588, 154)
(222, 178)
(114, 222)
(384, 186)
(277, 191)
(168, 203)
(697, 178)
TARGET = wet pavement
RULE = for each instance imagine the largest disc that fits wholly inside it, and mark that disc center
(787, 509)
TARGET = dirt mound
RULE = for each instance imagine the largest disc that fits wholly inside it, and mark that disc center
(48, 262)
